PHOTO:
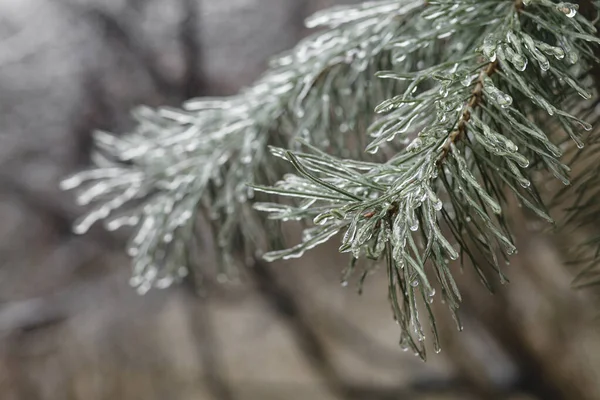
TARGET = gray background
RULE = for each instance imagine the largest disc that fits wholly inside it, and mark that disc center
(70, 326)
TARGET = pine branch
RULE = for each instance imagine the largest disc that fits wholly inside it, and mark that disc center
(176, 161)
(578, 201)
(464, 96)
(485, 140)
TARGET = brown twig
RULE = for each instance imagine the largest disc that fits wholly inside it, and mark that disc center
(474, 101)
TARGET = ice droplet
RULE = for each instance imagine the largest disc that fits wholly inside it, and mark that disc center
(466, 80)
(444, 90)
(496, 95)
(143, 288)
(489, 48)
(373, 150)
(585, 125)
(70, 183)
(519, 62)
(569, 9)
(404, 345)
(525, 183)
(415, 145)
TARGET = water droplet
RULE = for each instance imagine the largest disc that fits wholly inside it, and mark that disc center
(344, 283)
(444, 90)
(414, 283)
(466, 80)
(404, 344)
(143, 288)
(519, 62)
(415, 145)
(70, 183)
(585, 125)
(504, 100)
(489, 48)
(569, 9)
(496, 95)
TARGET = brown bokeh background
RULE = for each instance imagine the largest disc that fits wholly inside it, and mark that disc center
(72, 328)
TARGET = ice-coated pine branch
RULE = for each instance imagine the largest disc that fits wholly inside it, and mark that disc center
(482, 122)
(177, 162)
(461, 100)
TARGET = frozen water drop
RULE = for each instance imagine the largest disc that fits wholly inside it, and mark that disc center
(143, 288)
(569, 9)
(585, 125)
(519, 62)
(466, 80)
(415, 145)
(70, 183)
(404, 344)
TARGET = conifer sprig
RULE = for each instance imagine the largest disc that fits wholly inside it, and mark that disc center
(456, 97)
(480, 138)
(178, 162)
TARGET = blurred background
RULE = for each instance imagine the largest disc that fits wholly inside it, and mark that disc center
(72, 328)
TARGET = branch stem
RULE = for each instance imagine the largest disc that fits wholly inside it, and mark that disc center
(474, 101)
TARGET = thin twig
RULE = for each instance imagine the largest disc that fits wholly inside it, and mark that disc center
(473, 103)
